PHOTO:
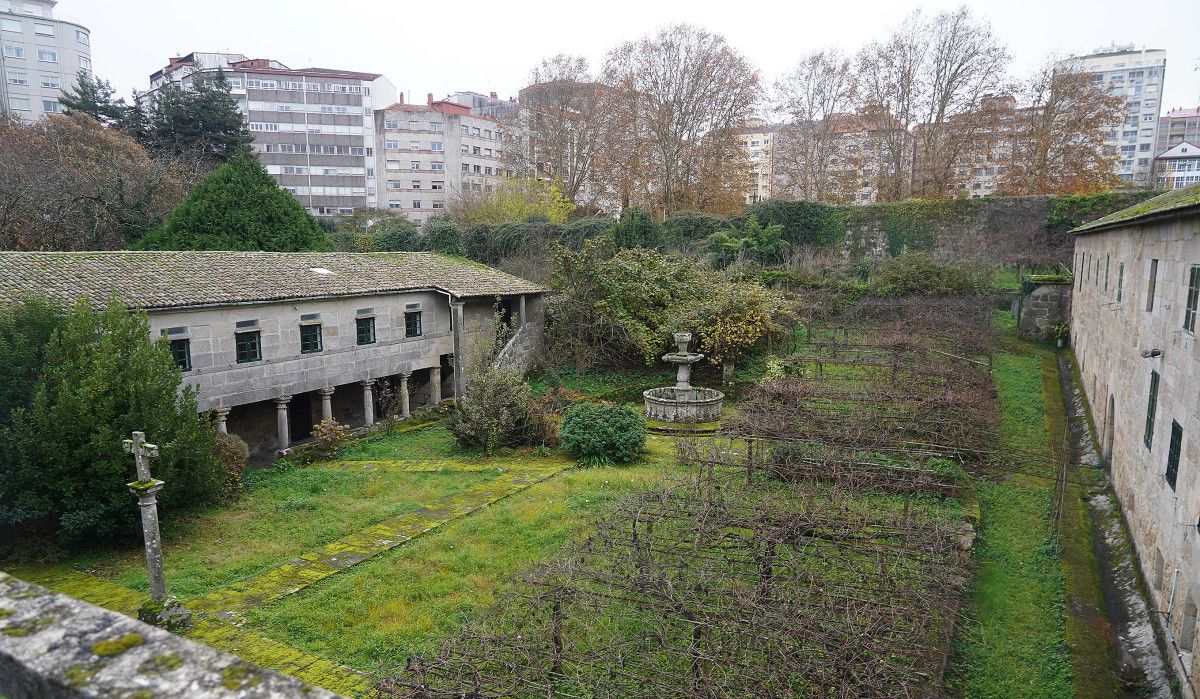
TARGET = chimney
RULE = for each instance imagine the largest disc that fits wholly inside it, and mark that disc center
(429, 99)
(401, 98)
(492, 95)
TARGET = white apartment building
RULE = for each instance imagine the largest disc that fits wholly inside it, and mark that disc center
(432, 152)
(755, 140)
(1177, 167)
(1138, 76)
(42, 55)
(314, 128)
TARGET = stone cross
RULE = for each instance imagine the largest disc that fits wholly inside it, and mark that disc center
(145, 488)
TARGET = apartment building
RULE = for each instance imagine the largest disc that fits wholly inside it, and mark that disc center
(429, 153)
(755, 140)
(43, 54)
(1178, 166)
(485, 105)
(1133, 324)
(314, 128)
(1177, 126)
(1137, 75)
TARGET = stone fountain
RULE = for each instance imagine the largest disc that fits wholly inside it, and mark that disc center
(683, 402)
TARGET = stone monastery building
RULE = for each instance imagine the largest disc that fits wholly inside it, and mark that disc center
(275, 342)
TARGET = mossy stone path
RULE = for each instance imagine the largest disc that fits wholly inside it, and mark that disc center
(219, 615)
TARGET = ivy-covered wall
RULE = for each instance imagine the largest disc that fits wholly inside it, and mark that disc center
(1028, 230)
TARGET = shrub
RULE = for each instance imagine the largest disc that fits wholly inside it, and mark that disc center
(599, 435)
(918, 273)
(234, 455)
(442, 235)
(636, 229)
(575, 232)
(547, 414)
(494, 411)
(329, 436)
(689, 227)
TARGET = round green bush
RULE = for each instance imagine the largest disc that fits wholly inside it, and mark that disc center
(599, 435)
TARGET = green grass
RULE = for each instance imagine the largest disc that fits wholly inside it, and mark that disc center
(430, 443)
(281, 514)
(377, 613)
(1013, 643)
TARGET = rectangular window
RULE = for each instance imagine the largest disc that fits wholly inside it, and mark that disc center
(436, 145)
(416, 203)
(416, 184)
(16, 77)
(1120, 281)
(10, 25)
(1107, 260)
(436, 167)
(51, 106)
(85, 63)
(21, 104)
(310, 338)
(1193, 299)
(82, 37)
(1153, 284)
(1151, 408)
(412, 324)
(416, 164)
(47, 56)
(365, 330)
(413, 126)
(414, 145)
(11, 51)
(50, 81)
(43, 29)
(1173, 454)
(248, 346)
(391, 124)
(181, 352)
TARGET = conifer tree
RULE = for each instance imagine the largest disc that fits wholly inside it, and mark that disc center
(94, 97)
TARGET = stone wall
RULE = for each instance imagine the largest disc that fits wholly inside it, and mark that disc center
(1113, 323)
(1042, 309)
(56, 647)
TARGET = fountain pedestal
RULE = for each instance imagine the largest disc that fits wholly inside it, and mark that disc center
(683, 402)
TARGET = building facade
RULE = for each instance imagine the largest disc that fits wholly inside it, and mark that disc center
(1137, 75)
(276, 342)
(313, 128)
(1177, 126)
(1134, 320)
(755, 140)
(43, 54)
(431, 153)
(1178, 166)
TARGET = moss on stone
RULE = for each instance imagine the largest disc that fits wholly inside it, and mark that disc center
(141, 694)
(5, 613)
(117, 646)
(161, 664)
(80, 675)
(240, 675)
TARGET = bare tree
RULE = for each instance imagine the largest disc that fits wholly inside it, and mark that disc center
(684, 91)
(1059, 142)
(811, 159)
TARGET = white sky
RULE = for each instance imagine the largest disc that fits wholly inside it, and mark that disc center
(441, 46)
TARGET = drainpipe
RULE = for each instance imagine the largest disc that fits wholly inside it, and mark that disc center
(1171, 635)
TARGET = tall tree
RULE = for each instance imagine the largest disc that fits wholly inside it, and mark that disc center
(683, 92)
(810, 158)
(200, 121)
(1059, 138)
(239, 207)
(94, 97)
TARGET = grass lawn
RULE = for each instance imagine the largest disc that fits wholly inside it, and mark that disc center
(1013, 642)
(280, 515)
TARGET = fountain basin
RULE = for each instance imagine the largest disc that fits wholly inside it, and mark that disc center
(683, 404)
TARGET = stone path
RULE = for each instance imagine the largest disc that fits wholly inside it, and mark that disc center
(219, 615)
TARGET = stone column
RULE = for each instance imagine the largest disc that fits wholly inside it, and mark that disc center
(368, 402)
(404, 404)
(281, 421)
(222, 413)
(146, 488)
(521, 317)
(456, 307)
(326, 402)
(435, 385)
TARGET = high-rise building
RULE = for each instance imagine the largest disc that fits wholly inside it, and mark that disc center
(1177, 126)
(755, 141)
(43, 54)
(314, 128)
(429, 153)
(1137, 75)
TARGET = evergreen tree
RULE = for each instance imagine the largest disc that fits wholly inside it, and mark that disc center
(102, 378)
(202, 119)
(636, 229)
(238, 207)
(94, 97)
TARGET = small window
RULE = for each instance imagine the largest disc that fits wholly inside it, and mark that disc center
(181, 352)
(1173, 454)
(310, 338)
(248, 346)
(1152, 285)
(412, 324)
(1193, 299)
(1107, 261)
(43, 29)
(1120, 281)
(365, 329)
(1151, 408)
(47, 56)
(10, 25)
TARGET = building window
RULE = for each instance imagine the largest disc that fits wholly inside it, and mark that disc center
(50, 106)
(365, 330)
(413, 126)
(416, 164)
(1148, 438)
(436, 145)
(10, 25)
(310, 338)
(416, 184)
(1173, 454)
(1193, 299)
(43, 29)
(1153, 283)
(20, 104)
(82, 37)
(47, 56)
(1120, 281)
(416, 203)
(412, 324)
(85, 63)
(16, 77)
(391, 124)
(11, 51)
(248, 346)
(1107, 260)
(50, 81)
(181, 352)
(414, 145)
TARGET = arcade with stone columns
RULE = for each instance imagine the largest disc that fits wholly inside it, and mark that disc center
(275, 342)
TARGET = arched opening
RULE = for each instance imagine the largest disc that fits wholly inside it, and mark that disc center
(1109, 429)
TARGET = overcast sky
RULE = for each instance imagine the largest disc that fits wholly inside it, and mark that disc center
(442, 46)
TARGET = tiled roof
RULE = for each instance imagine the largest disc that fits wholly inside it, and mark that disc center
(1175, 202)
(170, 279)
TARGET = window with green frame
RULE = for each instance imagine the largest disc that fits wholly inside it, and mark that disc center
(310, 338)
(412, 324)
(1193, 299)
(1120, 281)
(181, 352)
(1173, 454)
(1151, 408)
(365, 330)
(248, 346)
